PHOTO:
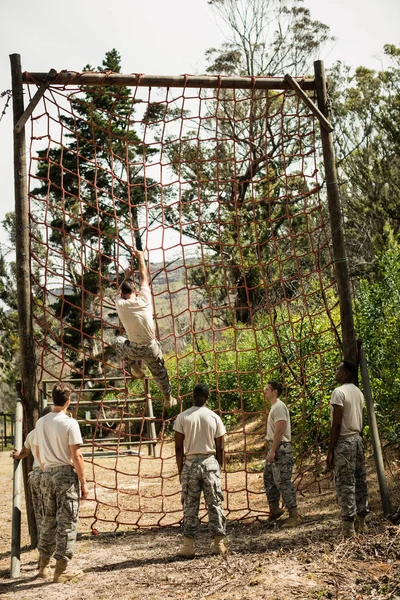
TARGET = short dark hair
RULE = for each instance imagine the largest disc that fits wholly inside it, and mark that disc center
(127, 288)
(276, 386)
(201, 390)
(47, 409)
(61, 393)
(350, 367)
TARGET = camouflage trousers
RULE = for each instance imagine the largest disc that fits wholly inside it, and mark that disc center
(278, 477)
(34, 479)
(202, 474)
(350, 477)
(60, 491)
(151, 355)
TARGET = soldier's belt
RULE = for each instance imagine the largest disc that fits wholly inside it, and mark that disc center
(201, 457)
(50, 469)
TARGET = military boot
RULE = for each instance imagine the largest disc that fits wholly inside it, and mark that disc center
(293, 520)
(187, 548)
(219, 545)
(360, 525)
(43, 565)
(348, 529)
(276, 511)
(62, 574)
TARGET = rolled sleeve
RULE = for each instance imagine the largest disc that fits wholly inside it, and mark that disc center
(74, 434)
(178, 425)
(337, 398)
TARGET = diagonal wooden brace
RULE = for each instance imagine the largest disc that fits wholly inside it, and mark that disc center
(314, 109)
(35, 100)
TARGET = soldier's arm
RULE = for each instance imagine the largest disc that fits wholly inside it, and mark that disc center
(219, 450)
(21, 454)
(143, 277)
(128, 274)
(337, 417)
(79, 466)
(280, 427)
(179, 437)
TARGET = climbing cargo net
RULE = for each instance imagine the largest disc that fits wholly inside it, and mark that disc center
(222, 190)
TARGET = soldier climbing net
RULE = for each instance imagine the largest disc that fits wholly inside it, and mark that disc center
(221, 188)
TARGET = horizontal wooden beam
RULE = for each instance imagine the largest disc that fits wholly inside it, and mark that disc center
(181, 81)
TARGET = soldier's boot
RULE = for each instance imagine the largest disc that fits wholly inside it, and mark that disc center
(220, 546)
(43, 565)
(62, 574)
(348, 529)
(170, 401)
(293, 520)
(187, 548)
(276, 511)
(360, 525)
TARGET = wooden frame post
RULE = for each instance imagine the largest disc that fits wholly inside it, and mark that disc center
(349, 343)
(152, 448)
(16, 510)
(23, 275)
(376, 442)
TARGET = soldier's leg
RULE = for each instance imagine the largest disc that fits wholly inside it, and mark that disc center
(273, 493)
(154, 359)
(284, 471)
(128, 355)
(344, 472)
(361, 481)
(36, 495)
(211, 475)
(47, 538)
(191, 491)
(67, 512)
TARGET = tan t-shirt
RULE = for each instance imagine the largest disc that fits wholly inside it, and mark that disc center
(31, 445)
(351, 398)
(136, 315)
(200, 426)
(279, 412)
(55, 433)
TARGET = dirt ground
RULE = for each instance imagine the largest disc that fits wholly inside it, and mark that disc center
(265, 561)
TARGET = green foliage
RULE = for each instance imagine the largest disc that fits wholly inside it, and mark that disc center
(366, 108)
(378, 324)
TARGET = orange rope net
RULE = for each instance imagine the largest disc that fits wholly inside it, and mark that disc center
(221, 189)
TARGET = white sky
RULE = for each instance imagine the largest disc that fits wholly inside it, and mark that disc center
(157, 37)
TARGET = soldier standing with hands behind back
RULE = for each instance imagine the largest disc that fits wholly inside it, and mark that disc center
(200, 432)
(346, 450)
(279, 462)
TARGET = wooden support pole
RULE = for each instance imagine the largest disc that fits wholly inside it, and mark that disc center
(151, 427)
(349, 344)
(35, 101)
(181, 81)
(22, 225)
(16, 509)
(373, 427)
(308, 102)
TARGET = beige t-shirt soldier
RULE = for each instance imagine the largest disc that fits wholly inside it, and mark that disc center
(279, 462)
(201, 432)
(35, 475)
(346, 450)
(58, 438)
(136, 314)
